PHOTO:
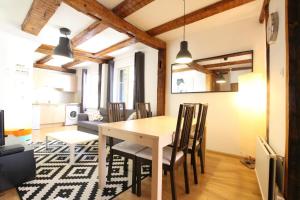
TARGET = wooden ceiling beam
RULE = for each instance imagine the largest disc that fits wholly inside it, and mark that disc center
(262, 15)
(199, 68)
(239, 62)
(116, 47)
(39, 14)
(44, 59)
(97, 10)
(127, 7)
(78, 54)
(124, 9)
(72, 64)
(234, 69)
(55, 68)
(197, 15)
(88, 33)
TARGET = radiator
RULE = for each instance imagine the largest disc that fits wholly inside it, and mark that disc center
(265, 169)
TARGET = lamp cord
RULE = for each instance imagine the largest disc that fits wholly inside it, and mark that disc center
(183, 20)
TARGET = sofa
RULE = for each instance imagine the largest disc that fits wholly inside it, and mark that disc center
(17, 163)
(92, 126)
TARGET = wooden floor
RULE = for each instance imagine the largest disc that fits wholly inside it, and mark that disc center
(225, 178)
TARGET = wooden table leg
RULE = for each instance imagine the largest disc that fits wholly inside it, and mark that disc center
(156, 187)
(72, 153)
(102, 160)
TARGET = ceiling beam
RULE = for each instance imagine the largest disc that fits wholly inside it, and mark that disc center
(262, 15)
(197, 15)
(78, 54)
(238, 62)
(97, 10)
(234, 69)
(44, 59)
(72, 64)
(124, 9)
(55, 68)
(199, 68)
(116, 47)
(39, 14)
(88, 33)
(226, 56)
(127, 7)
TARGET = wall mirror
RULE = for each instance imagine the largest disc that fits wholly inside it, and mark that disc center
(215, 74)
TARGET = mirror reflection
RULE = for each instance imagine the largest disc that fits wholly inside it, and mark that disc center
(215, 74)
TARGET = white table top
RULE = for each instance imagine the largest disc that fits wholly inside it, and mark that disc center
(73, 136)
(153, 127)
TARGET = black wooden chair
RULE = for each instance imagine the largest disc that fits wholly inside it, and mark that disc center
(143, 110)
(116, 112)
(195, 144)
(172, 156)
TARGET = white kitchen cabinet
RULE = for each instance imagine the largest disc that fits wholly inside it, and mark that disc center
(52, 113)
(57, 80)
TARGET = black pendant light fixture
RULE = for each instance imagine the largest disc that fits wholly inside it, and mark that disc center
(184, 56)
(220, 78)
(63, 50)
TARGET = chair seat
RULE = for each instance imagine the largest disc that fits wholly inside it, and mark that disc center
(167, 154)
(128, 147)
(191, 143)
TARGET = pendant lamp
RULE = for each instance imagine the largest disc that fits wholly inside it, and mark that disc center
(184, 56)
(220, 78)
(63, 50)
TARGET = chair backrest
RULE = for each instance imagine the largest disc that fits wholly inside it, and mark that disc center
(203, 121)
(198, 124)
(199, 105)
(183, 129)
(143, 110)
(116, 112)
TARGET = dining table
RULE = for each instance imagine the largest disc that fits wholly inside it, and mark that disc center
(155, 132)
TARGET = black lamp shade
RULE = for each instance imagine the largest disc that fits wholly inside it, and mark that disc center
(184, 56)
(220, 79)
(63, 48)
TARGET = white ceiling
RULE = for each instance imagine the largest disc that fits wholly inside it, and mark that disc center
(152, 15)
(105, 39)
(162, 11)
(240, 13)
(65, 16)
(14, 11)
(110, 3)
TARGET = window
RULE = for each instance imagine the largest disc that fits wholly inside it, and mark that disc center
(123, 84)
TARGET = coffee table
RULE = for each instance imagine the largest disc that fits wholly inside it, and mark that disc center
(71, 138)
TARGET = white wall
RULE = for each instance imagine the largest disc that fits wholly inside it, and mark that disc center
(151, 62)
(224, 132)
(278, 77)
(16, 50)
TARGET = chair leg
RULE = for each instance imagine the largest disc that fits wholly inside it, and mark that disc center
(165, 172)
(111, 158)
(172, 176)
(138, 177)
(186, 177)
(125, 165)
(201, 160)
(193, 157)
(133, 190)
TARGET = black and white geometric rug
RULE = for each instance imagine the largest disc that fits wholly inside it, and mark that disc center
(57, 179)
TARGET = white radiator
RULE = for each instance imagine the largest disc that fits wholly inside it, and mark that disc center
(265, 169)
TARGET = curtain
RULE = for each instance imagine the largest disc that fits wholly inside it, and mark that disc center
(110, 81)
(99, 85)
(83, 85)
(139, 78)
